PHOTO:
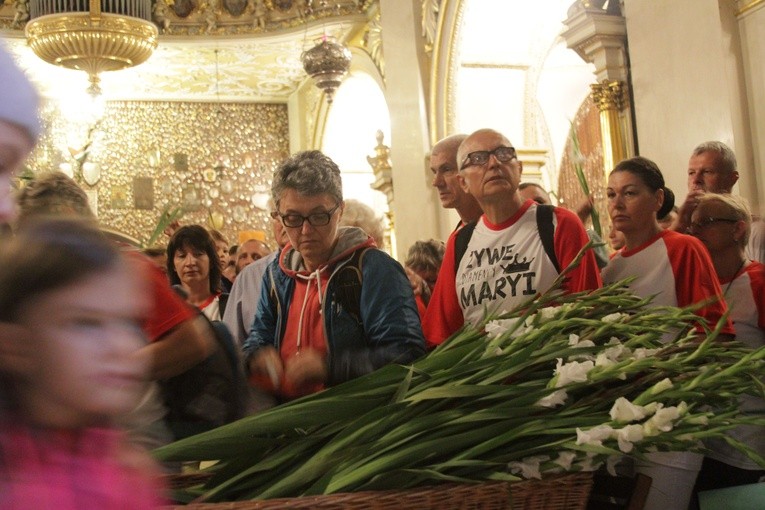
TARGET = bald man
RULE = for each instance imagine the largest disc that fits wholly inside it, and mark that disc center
(505, 260)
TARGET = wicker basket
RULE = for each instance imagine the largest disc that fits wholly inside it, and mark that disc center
(565, 492)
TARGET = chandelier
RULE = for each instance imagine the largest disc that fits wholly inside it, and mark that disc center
(327, 63)
(76, 34)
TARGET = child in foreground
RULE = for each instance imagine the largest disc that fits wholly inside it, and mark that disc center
(70, 313)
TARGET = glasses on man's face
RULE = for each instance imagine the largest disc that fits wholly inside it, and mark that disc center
(695, 226)
(315, 220)
(480, 158)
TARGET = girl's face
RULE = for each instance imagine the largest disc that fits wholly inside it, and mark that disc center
(632, 205)
(221, 247)
(87, 368)
(191, 265)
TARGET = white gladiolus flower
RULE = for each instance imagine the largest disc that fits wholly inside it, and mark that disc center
(642, 353)
(565, 460)
(661, 421)
(660, 386)
(548, 313)
(614, 317)
(571, 372)
(573, 341)
(587, 463)
(603, 361)
(611, 463)
(625, 411)
(529, 467)
(554, 399)
(501, 326)
(628, 435)
(595, 436)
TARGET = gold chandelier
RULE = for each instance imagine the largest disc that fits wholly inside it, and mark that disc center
(77, 35)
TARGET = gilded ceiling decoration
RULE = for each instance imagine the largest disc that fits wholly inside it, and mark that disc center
(258, 43)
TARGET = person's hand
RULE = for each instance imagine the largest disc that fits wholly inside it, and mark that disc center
(685, 211)
(305, 371)
(171, 228)
(266, 369)
(584, 209)
(415, 281)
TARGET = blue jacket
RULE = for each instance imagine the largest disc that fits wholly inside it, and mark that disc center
(389, 329)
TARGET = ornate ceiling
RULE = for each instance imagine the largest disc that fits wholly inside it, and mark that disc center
(235, 61)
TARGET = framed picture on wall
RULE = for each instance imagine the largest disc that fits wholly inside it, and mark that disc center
(143, 192)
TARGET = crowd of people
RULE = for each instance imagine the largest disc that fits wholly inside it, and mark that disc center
(106, 352)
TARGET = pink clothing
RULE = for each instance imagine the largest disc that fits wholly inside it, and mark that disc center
(74, 470)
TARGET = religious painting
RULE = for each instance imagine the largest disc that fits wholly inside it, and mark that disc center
(119, 197)
(143, 193)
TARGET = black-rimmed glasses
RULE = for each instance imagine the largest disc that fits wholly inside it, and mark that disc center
(480, 158)
(315, 220)
(704, 222)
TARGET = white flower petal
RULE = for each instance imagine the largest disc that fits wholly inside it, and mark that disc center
(556, 398)
(625, 411)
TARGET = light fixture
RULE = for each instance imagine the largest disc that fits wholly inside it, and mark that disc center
(78, 35)
(327, 63)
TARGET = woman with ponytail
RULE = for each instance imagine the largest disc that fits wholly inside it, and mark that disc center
(675, 268)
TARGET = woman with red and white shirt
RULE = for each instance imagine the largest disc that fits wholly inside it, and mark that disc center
(723, 224)
(674, 267)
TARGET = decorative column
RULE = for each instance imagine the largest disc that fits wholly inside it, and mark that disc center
(383, 171)
(599, 36)
(610, 98)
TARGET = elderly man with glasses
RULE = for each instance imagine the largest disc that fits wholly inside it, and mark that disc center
(515, 250)
(332, 306)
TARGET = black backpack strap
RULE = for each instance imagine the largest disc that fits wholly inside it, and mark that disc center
(547, 232)
(461, 243)
(348, 285)
(222, 302)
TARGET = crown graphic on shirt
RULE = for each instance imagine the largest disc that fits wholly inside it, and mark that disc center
(517, 266)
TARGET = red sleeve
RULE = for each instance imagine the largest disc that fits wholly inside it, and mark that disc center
(695, 278)
(168, 309)
(443, 315)
(756, 272)
(570, 237)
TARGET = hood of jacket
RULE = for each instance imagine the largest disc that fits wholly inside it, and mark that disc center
(349, 239)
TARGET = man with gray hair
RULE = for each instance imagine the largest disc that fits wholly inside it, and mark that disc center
(712, 168)
(443, 164)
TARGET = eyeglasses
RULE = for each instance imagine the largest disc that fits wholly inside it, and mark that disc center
(315, 219)
(705, 222)
(480, 158)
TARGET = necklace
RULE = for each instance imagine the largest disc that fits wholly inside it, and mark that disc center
(727, 287)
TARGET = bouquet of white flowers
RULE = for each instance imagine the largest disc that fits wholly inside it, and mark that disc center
(564, 383)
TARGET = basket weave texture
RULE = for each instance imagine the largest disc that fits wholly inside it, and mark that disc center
(564, 492)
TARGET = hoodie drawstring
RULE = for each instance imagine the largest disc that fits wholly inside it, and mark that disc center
(316, 275)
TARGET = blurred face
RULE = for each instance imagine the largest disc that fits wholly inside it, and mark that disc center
(632, 205)
(86, 367)
(315, 242)
(615, 239)
(221, 247)
(705, 173)
(715, 226)
(248, 253)
(443, 164)
(192, 265)
(15, 146)
(493, 180)
(536, 194)
(428, 275)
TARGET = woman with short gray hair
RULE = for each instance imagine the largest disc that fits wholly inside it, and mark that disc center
(332, 306)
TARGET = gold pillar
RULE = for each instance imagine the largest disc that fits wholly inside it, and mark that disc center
(383, 171)
(611, 98)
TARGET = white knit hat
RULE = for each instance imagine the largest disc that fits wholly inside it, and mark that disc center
(18, 97)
